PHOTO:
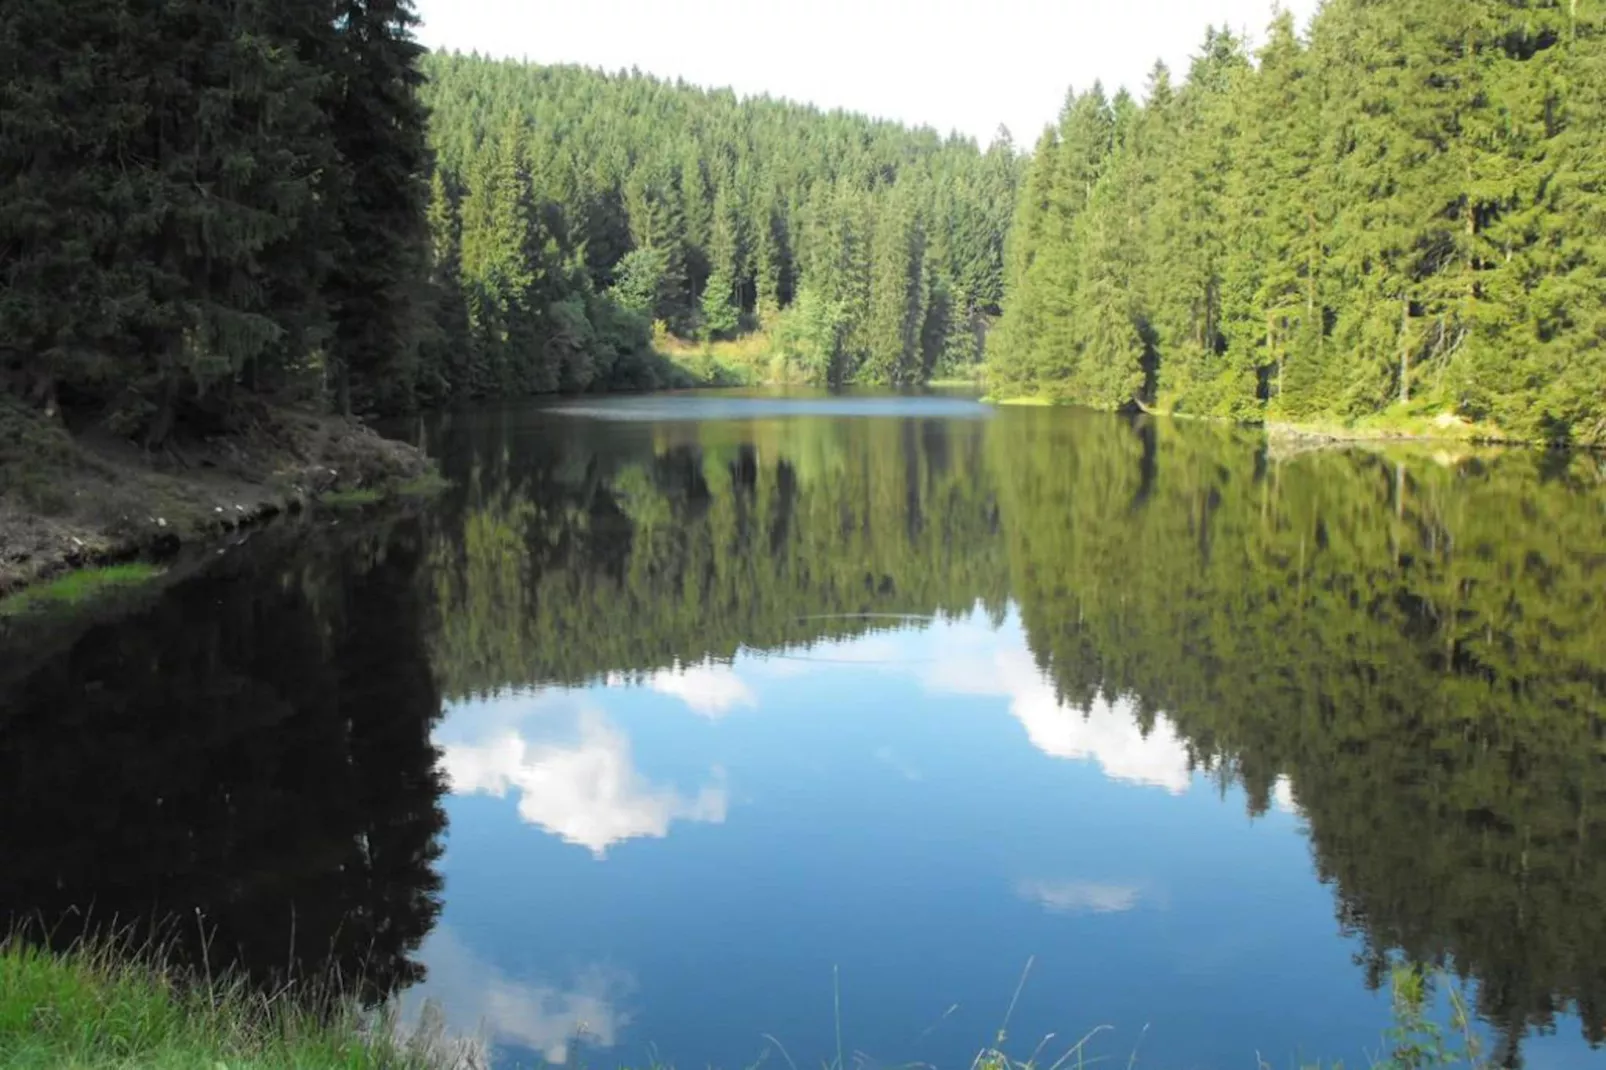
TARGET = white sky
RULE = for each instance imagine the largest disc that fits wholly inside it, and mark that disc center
(952, 64)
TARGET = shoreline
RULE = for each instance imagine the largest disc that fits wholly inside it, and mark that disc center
(74, 502)
(1442, 430)
(102, 1006)
(71, 503)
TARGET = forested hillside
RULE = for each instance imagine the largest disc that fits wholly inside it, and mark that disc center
(198, 197)
(571, 210)
(1399, 214)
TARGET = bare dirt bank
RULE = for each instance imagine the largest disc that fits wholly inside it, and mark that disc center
(70, 500)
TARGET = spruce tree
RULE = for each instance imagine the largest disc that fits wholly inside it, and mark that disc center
(1011, 349)
(378, 126)
(446, 364)
(897, 295)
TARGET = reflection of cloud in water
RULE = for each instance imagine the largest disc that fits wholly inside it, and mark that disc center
(1081, 897)
(482, 1004)
(588, 791)
(710, 689)
(1282, 796)
(1106, 732)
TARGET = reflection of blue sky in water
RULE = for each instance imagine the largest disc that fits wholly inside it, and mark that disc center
(912, 808)
(573, 773)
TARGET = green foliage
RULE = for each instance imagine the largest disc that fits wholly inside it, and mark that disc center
(720, 316)
(1418, 1040)
(639, 277)
(1399, 209)
(711, 214)
(204, 199)
(809, 336)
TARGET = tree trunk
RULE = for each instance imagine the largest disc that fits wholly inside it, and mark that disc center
(342, 390)
(1405, 350)
(162, 425)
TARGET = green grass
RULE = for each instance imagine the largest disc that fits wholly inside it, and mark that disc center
(91, 1010)
(747, 360)
(78, 587)
(1397, 422)
(1033, 402)
(355, 498)
(427, 485)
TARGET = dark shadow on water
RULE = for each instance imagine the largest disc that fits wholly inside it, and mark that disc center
(241, 773)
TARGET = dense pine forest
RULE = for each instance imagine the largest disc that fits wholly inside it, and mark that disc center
(203, 202)
(572, 210)
(1397, 215)
(1394, 216)
(201, 198)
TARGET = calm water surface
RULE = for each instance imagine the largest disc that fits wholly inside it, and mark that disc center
(681, 720)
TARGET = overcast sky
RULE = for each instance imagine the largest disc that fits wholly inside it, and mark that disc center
(952, 64)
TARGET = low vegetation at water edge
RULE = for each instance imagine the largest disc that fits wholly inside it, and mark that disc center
(91, 1010)
(741, 361)
(427, 485)
(96, 1009)
(78, 587)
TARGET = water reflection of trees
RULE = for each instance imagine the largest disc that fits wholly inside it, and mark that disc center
(1420, 645)
(1417, 643)
(244, 768)
(560, 560)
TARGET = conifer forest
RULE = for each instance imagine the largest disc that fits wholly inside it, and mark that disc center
(1395, 211)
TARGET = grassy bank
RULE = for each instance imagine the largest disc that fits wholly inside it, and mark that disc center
(92, 1011)
(78, 587)
(425, 486)
(85, 498)
(1393, 425)
(743, 361)
(1022, 402)
(754, 359)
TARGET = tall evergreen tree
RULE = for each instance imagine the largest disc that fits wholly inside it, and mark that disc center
(378, 127)
(897, 305)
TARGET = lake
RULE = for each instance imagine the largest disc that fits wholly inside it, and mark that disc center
(720, 730)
